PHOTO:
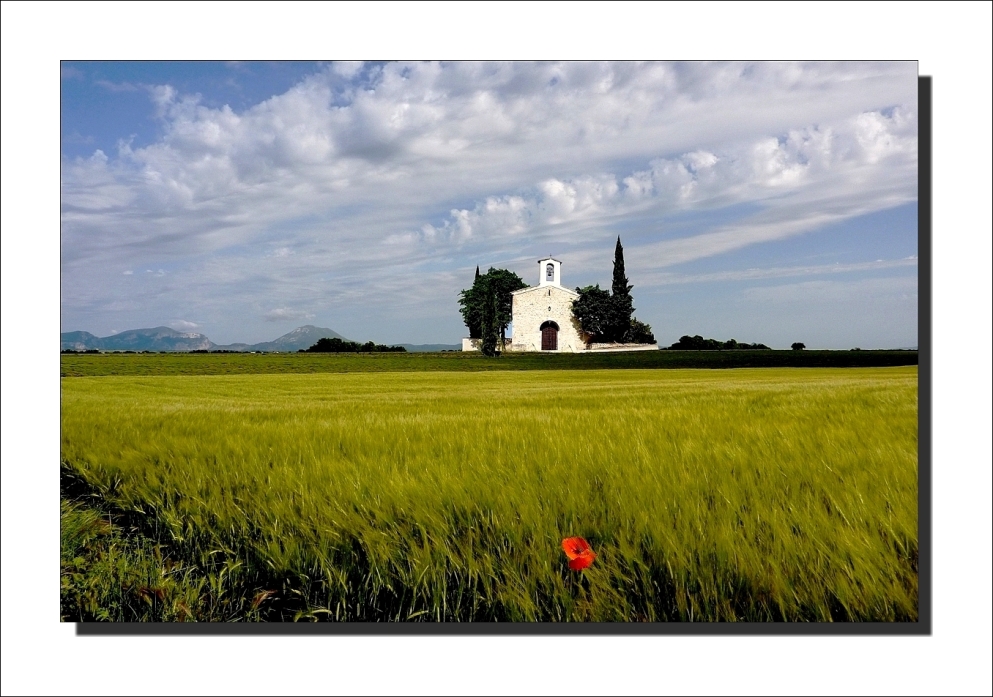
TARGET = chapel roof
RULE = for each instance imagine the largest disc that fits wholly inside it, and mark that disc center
(544, 288)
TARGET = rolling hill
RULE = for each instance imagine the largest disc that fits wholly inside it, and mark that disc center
(166, 339)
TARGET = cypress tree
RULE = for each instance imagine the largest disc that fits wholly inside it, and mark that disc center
(470, 302)
(490, 330)
(497, 328)
(622, 304)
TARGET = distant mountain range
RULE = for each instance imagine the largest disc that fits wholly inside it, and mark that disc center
(156, 339)
(166, 339)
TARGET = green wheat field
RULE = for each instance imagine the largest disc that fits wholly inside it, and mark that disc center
(749, 494)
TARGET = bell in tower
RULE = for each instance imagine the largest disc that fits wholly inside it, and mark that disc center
(550, 272)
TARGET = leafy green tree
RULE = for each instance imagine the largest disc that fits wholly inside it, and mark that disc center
(639, 333)
(330, 345)
(797, 346)
(695, 343)
(593, 311)
(336, 345)
(475, 301)
(698, 343)
(504, 283)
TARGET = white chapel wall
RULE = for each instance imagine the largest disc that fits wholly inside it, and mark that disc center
(538, 304)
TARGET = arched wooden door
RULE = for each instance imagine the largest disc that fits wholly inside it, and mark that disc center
(549, 336)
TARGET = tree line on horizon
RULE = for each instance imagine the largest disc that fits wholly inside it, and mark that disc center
(698, 343)
(336, 345)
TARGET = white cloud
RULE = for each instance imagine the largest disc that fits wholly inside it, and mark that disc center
(77, 138)
(647, 280)
(117, 86)
(182, 325)
(837, 293)
(347, 69)
(406, 124)
(68, 72)
(830, 174)
(280, 314)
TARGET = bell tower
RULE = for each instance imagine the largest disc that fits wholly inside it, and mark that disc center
(549, 272)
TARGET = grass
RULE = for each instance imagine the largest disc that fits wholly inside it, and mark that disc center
(111, 570)
(83, 365)
(108, 574)
(758, 495)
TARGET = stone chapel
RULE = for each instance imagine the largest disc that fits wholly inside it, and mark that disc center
(542, 314)
(541, 317)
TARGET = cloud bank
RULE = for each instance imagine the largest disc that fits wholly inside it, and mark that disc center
(373, 186)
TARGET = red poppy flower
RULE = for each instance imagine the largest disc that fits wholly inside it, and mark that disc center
(579, 553)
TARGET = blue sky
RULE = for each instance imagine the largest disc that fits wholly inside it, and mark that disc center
(772, 202)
